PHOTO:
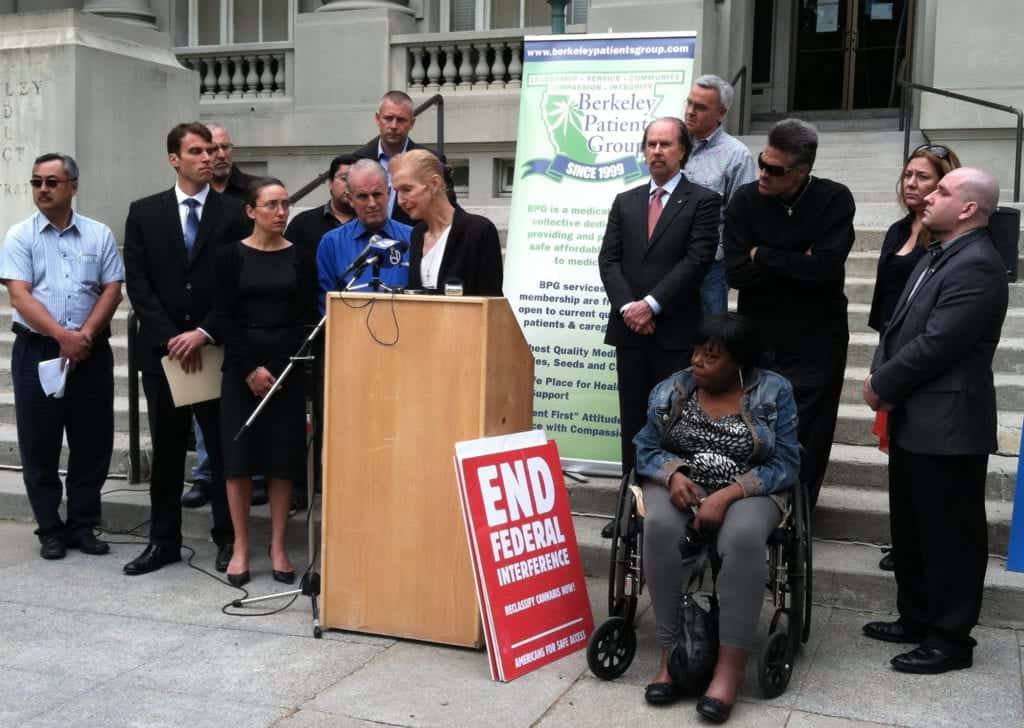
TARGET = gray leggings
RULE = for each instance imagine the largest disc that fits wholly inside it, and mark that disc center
(741, 581)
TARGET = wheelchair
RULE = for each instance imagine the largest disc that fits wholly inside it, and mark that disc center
(612, 645)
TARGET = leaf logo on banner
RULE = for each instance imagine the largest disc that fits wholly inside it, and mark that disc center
(564, 123)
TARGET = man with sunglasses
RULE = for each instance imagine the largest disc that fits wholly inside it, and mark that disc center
(786, 240)
(63, 276)
(171, 241)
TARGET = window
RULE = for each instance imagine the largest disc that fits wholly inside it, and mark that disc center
(227, 22)
(465, 15)
(504, 176)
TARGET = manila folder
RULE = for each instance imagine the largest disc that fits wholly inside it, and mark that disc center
(198, 386)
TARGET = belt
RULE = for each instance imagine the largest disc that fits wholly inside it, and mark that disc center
(22, 330)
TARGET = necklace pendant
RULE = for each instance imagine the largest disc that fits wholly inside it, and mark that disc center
(789, 212)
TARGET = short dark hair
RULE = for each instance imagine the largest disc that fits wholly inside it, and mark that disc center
(684, 136)
(735, 333)
(397, 97)
(70, 165)
(796, 138)
(175, 135)
(252, 192)
(342, 160)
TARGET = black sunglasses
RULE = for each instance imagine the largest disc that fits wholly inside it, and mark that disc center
(937, 149)
(50, 183)
(773, 170)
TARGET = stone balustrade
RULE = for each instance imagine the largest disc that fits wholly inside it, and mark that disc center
(237, 74)
(454, 62)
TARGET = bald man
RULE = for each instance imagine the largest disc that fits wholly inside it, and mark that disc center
(933, 373)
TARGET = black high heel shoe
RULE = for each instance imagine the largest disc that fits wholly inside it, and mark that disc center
(239, 579)
(285, 577)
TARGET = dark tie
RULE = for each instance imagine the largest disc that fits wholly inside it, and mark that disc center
(935, 250)
(191, 225)
(654, 210)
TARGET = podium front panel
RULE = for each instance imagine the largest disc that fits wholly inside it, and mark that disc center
(394, 555)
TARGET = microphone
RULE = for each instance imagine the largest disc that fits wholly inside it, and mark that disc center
(389, 253)
(359, 261)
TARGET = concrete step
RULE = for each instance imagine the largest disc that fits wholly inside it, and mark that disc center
(846, 575)
(860, 289)
(119, 345)
(120, 411)
(10, 457)
(118, 324)
(1009, 389)
(1009, 355)
(864, 264)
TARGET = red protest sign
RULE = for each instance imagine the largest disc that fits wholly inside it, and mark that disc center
(528, 573)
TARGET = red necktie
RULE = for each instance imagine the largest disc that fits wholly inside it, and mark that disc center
(654, 210)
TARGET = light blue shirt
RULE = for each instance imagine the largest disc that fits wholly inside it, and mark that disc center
(340, 246)
(67, 270)
(385, 162)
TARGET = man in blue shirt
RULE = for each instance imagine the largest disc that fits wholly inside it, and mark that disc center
(368, 194)
(64, 277)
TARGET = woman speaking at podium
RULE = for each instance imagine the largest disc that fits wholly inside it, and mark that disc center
(266, 294)
(448, 245)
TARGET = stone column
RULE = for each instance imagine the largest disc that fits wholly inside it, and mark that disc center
(138, 12)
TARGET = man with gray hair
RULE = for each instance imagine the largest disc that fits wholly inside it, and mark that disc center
(227, 178)
(64, 277)
(932, 372)
(719, 162)
(786, 240)
(368, 193)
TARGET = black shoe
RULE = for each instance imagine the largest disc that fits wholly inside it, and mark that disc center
(87, 543)
(661, 693)
(154, 557)
(52, 547)
(239, 579)
(888, 562)
(608, 531)
(893, 632)
(285, 577)
(299, 502)
(714, 710)
(259, 492)
(198, 495)
(932, 660)
(224, 554)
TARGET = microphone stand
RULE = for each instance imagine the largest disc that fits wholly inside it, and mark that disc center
(309, 584)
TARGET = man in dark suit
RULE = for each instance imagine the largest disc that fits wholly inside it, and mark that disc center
(170, 243)
(395, 119)
(658, 245)
(933, 373)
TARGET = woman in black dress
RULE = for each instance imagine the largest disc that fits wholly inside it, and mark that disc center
(266, 296)
(448, 244)
(904, 244)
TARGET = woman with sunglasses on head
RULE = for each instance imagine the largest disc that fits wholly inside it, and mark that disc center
(719, 453)
(904, 244)
(266, 296)
(786, 240)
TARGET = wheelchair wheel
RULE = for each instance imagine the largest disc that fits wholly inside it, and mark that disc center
(621, 603)
(611, 648)
(775, 665)
(802, 571)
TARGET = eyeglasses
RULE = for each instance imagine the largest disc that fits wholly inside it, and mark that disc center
(936, 149)
(773, 170)
(50, 183)
(275, 205)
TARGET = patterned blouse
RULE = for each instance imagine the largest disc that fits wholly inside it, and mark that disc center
(717, 450)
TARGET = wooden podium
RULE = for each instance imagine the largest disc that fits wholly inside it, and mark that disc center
(394, 556)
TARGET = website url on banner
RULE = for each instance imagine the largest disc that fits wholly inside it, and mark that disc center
(596, 52)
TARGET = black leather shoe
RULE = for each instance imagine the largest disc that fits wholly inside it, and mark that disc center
(259, 493)
(888, 562)
(52, 547)
(224, 554)
(153, 558)
(893, 632)
(198, 495)
(285, 577)
(608, 530)
(932, 660)
(714, 710)
(87, 543)
(661, 693)
(239, 579)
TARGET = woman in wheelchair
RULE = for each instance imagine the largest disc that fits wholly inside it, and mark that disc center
(719, 450)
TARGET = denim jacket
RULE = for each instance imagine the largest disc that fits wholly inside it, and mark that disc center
(768, 409)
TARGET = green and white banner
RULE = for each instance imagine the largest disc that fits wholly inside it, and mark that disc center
(585, 102)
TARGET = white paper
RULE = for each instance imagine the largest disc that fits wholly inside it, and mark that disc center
(53, 377)
(828, 16)
(881, 10)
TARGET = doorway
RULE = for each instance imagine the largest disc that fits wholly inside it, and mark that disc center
(848, 53)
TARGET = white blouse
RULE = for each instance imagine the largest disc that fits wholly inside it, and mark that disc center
(430, 265)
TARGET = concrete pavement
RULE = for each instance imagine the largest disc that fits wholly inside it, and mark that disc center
(85, 646)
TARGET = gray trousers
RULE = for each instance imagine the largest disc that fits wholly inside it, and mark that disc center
(741, 581)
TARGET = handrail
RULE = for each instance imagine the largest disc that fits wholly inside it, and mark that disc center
(134, 447)
(435, 100)
(741, 75)
(909, 110)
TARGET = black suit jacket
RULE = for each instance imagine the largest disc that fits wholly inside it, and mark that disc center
(670, 266)
(934, 361)
(369, 151)
(170, 293)
(472, 255)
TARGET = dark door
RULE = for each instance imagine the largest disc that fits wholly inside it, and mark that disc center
(847, 53)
